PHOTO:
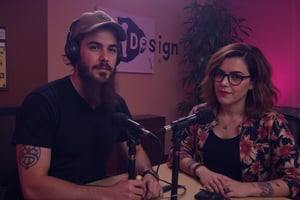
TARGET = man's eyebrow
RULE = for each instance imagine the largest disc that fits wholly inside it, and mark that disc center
(113, 45)
(100, 44)
(94, 42)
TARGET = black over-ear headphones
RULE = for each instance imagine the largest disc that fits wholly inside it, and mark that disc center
(72, 47)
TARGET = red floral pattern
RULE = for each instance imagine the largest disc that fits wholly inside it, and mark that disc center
(267, 149)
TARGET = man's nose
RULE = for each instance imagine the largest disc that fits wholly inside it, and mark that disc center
(103, 55)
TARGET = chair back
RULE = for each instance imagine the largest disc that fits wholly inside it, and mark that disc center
(7, 150)
(292, 115)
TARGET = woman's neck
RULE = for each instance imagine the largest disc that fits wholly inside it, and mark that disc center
(232, 111)
(229, 120)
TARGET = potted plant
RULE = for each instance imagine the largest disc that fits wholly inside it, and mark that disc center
(210, 26)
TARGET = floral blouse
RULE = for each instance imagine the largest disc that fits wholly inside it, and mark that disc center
(267, 149)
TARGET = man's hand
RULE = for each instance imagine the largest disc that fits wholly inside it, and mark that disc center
(126, 189)
(152, 187)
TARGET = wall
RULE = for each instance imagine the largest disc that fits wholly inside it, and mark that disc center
(276, 29)
(36, 37)
(26, 23)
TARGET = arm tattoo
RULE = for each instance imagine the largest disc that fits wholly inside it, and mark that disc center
(29, 156)
(266, 189)
(190, 163)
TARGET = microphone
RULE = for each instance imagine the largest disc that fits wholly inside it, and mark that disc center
(121, 119)
(202, 116)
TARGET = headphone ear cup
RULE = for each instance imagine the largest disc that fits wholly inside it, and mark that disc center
(71, 49)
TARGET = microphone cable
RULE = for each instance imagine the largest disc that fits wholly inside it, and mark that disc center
(161, 150)
(168, 187)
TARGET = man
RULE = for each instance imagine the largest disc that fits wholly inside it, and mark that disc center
(65, 131)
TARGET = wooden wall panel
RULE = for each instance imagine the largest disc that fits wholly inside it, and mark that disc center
(26, 23)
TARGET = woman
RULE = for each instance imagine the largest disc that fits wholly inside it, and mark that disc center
(248, 149)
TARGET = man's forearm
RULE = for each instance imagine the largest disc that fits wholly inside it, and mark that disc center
(54, 188)
(142, 161)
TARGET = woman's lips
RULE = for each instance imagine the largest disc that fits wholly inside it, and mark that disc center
(222, 92)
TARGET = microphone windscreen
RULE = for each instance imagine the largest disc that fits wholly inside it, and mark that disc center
(120, 119)
(205, 115)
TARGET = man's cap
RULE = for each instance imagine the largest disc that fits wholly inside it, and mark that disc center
(89, 21)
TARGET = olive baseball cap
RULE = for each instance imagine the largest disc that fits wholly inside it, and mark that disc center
(89, 21)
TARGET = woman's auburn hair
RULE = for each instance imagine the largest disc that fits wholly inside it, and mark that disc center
(264, 94)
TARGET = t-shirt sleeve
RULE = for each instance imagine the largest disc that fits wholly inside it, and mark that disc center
(35, 122)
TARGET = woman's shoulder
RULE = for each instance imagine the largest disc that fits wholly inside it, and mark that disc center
(272, 116)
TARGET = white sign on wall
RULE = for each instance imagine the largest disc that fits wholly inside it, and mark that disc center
(136, 56)
(138, 51)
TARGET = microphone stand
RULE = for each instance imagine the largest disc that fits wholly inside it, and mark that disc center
(177, 137)
(131, 143)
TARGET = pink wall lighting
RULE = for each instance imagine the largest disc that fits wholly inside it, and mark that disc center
(276, 33)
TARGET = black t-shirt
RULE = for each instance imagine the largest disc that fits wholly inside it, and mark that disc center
(223, 156)
(81, 139)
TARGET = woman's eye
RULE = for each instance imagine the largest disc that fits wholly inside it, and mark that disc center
(219, 74)
(236, 76)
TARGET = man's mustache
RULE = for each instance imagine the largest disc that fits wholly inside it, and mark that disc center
(104, 65)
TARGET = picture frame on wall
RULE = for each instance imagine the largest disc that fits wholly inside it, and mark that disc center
(3, 58)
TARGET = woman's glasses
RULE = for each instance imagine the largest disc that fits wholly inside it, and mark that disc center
(234, 78)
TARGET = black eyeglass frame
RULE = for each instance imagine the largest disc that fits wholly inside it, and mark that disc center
(220, 72)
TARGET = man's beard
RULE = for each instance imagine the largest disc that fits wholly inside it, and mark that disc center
(107, 89)
(89, 76)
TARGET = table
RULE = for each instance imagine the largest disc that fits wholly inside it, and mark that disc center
(191, 184)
